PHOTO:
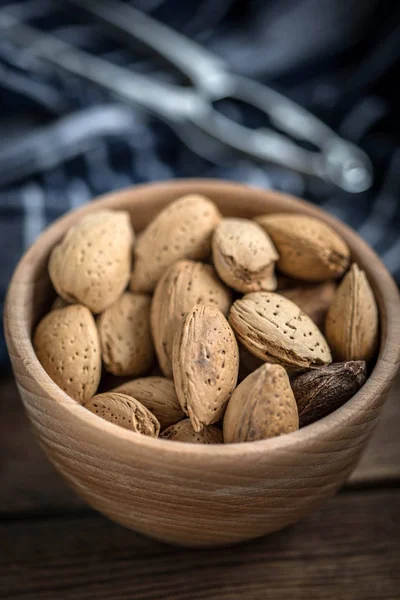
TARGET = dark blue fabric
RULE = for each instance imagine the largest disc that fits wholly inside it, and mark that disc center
(338, 58)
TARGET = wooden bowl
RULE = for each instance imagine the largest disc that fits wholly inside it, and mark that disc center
(191, 494)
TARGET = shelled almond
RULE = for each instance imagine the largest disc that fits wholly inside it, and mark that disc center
(192, 297)
(321, 391)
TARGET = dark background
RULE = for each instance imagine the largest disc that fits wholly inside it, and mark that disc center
(338, 58)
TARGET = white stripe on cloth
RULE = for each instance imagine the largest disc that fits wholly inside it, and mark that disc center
(33, 203)
(78, 192)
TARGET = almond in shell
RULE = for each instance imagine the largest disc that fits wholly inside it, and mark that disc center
(274, 329)
(183, 285)
(244, 255)
(92, 263)
(124, 411)
(158, 395)
(351, 326)
(205, 364)
(184, 432)
(125, 337)
(308, 248)
(262, 406)
(67, 345)
(182, 230)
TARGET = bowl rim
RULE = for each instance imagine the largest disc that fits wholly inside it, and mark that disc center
(20, 345)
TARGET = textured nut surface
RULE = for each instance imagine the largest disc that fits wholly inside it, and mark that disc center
(205, 364)
(92, 263)
(314, 299)
(321, 391)
(183, 285)
(158, 395)
(308, 248)
(67, 345)
(244, 255)
(182, 230)
(125, 411)
(125, 337)
(274, 329)
(184, 432)
(351, 326)
(262, 406)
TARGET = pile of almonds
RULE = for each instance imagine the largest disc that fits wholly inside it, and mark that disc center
(209, 302)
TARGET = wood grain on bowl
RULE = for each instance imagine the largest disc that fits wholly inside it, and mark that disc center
(195, 494)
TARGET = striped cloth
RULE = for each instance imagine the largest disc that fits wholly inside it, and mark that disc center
(63, 141)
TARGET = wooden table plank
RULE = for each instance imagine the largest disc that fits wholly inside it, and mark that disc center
(381, 460)
(350, 549)
(29, 483)
(53, 546)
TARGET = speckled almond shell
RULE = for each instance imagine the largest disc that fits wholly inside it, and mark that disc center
(274, 329)
(244, 255)
(92, 263)
(262, 406)
(158, 395)
(308, 248)
(125, 337)
(352, 321)
(67, 345)
(182, 230)
(124, 411)
(314, 299)
(183, 285)
(205, 364)
(184, 432)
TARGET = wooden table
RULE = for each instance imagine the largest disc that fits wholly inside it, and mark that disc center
(52, 546)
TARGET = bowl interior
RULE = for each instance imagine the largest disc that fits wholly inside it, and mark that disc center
(31, 294)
